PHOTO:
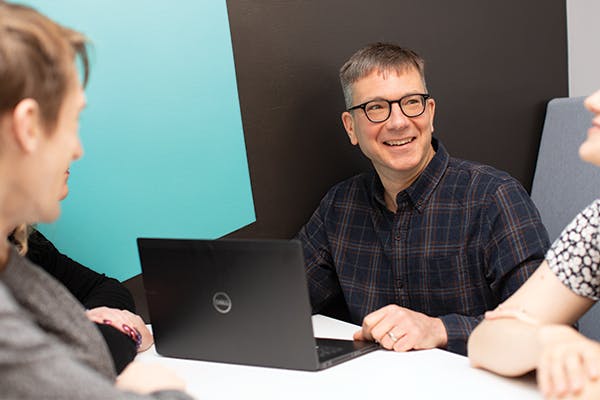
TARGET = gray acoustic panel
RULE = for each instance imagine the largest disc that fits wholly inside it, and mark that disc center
(563, 184)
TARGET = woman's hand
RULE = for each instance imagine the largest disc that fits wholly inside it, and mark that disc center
(127, 322)
(567, 362)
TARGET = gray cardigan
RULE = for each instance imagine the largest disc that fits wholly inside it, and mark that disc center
(48, 347)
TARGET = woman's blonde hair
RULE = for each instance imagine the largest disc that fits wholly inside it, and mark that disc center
(20, 237)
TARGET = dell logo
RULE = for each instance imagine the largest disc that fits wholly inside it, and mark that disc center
(221, 302)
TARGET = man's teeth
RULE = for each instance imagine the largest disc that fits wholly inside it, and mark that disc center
(399, 142)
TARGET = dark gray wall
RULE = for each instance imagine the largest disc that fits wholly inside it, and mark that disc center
(491, 66)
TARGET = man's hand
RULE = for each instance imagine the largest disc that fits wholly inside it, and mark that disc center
(127, 322)
(400, 329)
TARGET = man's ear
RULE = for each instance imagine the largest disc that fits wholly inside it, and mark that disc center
(348, 122)
(26, 124)
(431, 104)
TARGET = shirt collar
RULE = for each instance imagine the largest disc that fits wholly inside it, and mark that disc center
(421, 189)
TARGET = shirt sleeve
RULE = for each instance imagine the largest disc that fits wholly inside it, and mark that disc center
(516, 241)
(323, 284)
(575, 256)
(122, 349)
(89, 287)
(458, 328)
(33, 365)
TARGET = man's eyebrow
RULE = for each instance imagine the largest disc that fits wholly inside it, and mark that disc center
(377, 98)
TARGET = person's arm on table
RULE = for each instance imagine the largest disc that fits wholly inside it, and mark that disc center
(109, 303)
(35, 365)
(522, 334)
(515, 245)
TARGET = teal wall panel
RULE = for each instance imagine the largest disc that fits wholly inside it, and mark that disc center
(162, 132)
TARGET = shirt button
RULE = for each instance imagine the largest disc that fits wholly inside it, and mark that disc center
(400, 284)
(398, 237)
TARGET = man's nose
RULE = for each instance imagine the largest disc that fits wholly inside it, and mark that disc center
(397, 118)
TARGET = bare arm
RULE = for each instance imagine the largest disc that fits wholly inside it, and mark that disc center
(511, 346)
(507, 347)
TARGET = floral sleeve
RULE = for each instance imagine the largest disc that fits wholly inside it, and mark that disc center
(575, 255)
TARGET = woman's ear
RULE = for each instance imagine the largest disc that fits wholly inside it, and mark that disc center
(26, 126)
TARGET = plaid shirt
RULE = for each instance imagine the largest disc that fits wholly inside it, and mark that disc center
(464, 238)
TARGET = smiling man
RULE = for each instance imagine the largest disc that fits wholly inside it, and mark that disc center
(422, 246)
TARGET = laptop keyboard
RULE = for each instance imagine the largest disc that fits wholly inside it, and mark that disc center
(325, 351)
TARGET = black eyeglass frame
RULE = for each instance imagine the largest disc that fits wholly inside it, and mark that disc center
(363, 106)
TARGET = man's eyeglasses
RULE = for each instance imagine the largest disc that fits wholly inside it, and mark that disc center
(411, 105)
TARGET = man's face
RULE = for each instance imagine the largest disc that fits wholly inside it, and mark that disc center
(399, 147)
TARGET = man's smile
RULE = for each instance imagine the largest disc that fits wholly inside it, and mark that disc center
(400, 142)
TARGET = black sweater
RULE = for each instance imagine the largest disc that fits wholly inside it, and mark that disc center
(91, 289)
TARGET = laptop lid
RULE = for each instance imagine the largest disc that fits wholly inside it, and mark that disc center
(229, 300)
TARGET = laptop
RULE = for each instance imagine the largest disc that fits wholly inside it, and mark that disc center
(236, 301)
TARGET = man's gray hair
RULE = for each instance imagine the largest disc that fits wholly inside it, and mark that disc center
(385, 57)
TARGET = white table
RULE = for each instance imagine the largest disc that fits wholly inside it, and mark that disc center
(429, 374)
